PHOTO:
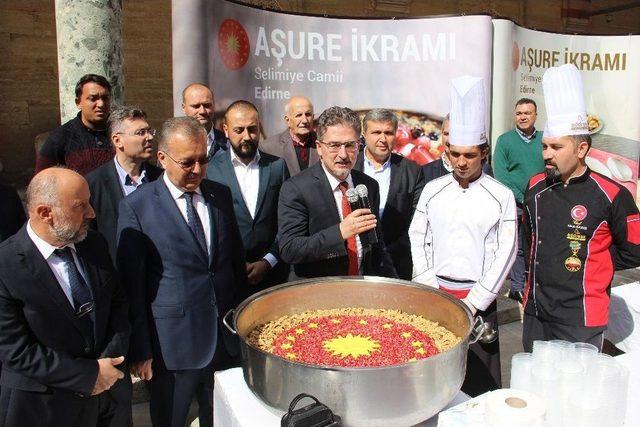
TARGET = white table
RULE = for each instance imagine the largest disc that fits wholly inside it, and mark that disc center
(234, 405)
(624, 315)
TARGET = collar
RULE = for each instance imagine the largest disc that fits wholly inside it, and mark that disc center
(385, 165)
(45, 248)
(300, 143)
(176, 193)
(211, 139)
(124, 176)
(580, 178)
(334, 182)
(236, 160)
(93, 131)
(526, 137)
(472, 184)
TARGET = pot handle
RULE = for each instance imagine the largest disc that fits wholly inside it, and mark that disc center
(482, 331)
(225, 321)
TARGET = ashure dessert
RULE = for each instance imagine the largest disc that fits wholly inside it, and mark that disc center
(352, 337)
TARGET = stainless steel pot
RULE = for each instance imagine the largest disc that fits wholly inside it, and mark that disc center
(400, 395)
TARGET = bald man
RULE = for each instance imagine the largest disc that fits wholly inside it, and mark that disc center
(198, 102)
(254, 178)
(297, 144)
(63, 317)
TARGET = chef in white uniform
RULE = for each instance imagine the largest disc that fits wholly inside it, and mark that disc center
(463, 233)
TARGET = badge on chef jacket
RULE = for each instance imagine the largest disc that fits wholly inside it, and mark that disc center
(578, 214)
(573, 263)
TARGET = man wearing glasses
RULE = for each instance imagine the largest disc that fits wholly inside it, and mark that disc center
(320, 235)
(63, 314)
(182, 262)
(132, 139)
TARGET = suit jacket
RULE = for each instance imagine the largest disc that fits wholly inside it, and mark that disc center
(12, 215)
(43, 346)
(405, 187)
(281, 146)
(259, 233)
(106, 193)
(436, 169)
(309, 228)
(176, 292)
(220, 144)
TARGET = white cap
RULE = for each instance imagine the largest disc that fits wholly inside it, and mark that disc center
(467, 112)
(564, 102)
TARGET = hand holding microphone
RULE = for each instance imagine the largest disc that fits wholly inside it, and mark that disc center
(360, 221)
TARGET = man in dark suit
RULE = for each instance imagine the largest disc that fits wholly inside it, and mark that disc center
(181, 257)
(255, 179)
(12, 215)
(442, 166)
(400, 182)
(198, 102)
(297, 144)
(133, 141)
(319, 234)
(63, 315)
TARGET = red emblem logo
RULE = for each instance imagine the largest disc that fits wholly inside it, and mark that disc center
(578, 213)
(233, 44)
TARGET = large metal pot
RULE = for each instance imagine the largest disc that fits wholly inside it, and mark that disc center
(400, 395)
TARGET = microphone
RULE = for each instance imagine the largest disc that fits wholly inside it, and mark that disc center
(353, 199)
(371, 236)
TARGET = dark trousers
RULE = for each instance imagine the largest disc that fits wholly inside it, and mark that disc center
(55, 408)
(518, 274)
(173, 391)
(534, 329)
(483, 360)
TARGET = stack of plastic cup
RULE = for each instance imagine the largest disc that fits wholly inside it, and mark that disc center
(521, 371)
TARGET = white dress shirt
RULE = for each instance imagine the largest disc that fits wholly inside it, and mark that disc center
(337, 195)
(248, 177)
(382, 175)
(198, 203)
(466, 235)
(57, 265)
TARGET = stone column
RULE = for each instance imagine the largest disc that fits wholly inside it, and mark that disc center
(89, 36)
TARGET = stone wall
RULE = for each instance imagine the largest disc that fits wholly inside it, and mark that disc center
(28, 69)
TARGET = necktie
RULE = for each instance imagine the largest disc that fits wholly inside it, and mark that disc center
(80, 293)
(193, 220)
(352, 251)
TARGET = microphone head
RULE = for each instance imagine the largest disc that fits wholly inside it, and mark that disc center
(352, 195)
(362, 190)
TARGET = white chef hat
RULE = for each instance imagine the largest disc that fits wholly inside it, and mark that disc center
(467, 113)
(564, 102)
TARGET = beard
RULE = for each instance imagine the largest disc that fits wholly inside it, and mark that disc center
(246, 150)
(65, 232)
(553, 173)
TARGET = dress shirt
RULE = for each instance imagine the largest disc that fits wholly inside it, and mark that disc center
(526, 138)
(248, 177)
(465, 235)
(198, 203)
(56, 263)
(127, 183)
(337, 195)
(382, 175)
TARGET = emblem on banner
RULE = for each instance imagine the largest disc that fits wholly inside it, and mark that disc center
(233, 44)
(578, 213)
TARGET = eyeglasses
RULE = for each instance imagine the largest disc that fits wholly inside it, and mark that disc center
(189, 164)
(334, 147)
(141, 133)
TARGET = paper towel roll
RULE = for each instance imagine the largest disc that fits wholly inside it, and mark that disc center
(514, 408)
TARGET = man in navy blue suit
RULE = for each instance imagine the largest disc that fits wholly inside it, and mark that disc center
(254, 178)
(181, 258)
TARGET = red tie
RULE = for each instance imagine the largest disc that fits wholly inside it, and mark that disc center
(352, 250)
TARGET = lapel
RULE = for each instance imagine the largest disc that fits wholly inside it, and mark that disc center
(229, 176)
(214, 219)
(165, 202)
(394, 181)
(326, 192)
(289, 153)
(33, 262)
(263, 184)
(359, 162)
(112, 184)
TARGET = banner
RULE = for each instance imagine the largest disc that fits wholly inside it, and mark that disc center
(609, 66)
(404, 65)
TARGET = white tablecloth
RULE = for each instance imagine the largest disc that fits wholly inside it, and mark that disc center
(234, 405)
(624, 315)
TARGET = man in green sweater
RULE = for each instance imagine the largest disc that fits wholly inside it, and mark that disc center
(517, 157)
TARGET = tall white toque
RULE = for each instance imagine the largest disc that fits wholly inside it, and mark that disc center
(467, 112)
(564, 102)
